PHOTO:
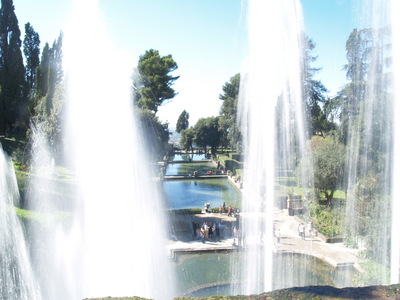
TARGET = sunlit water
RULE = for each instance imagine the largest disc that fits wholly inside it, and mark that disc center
(124, 229)
(54, 235)
(188, 169)
(373, 143)
(192, 193)
(189, 156)
(106, 235)
(273, 126)
(207, 274)
(395, 237)
(17, 281)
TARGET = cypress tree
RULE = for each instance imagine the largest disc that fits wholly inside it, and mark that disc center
(42, 74)
(12, 71)
(31, 52)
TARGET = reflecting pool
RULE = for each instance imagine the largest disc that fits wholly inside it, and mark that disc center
(185, 168)
(207, 274)
(194, 193)
(189, 156)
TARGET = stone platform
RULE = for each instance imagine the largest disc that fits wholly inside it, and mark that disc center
(337, 255)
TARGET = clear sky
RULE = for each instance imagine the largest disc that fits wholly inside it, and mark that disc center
(207, 39)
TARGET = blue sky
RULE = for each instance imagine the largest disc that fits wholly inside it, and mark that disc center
(206, 38)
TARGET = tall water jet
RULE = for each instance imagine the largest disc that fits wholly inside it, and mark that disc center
(273, 125)
(370, 135)
(54, 233)
(16, 275)
(124, 224)
(395, 237)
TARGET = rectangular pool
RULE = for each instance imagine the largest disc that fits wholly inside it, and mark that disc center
(193, 193)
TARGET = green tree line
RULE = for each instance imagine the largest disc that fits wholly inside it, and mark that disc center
(32, 90)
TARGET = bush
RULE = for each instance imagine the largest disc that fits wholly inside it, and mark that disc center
(372, 275)
(186, 211)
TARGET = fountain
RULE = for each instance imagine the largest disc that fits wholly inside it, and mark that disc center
(372, 162)
(272, 114)
(395, 238)
(16, 276)
(105, 234)
(271, 108)
(112, 234)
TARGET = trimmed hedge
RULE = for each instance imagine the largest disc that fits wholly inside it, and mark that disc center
(186, 211)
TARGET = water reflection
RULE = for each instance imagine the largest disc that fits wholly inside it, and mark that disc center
(189, 193)
(206, 274)
(189, 156)
(188, 168)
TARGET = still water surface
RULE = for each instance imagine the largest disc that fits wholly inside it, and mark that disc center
(203, 275)
(188, 168)
(189, 193)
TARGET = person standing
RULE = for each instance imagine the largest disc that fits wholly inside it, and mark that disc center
(229, 211)
(210, 231)
(206, 227)
(301, 231)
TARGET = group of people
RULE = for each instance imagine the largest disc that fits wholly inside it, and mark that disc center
(206, 230)
(231, 212)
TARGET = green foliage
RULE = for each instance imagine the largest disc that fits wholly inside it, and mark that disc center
(231, 164)
(152, 81)
(49, 98)
(41, 216)
(12, 71)
(50, 72)
(352, 96)
(48, 116)
(183, 122)
(186, 211)
(155, 133)
(327, 221)
(207, 133)
(187, 139)
(371, 274)
(228, 125)
(323, 166)
(31, 52)
(371, 211)
(314, 92)
(152, 87)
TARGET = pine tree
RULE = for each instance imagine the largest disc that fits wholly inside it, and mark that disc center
(12, 71)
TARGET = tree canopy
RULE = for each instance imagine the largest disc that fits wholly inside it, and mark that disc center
(152, 84)
(151, 88)
(207, 133)
(314, 91)
(183, 121)
(32, 53)
(12, 71)
(187, 139)
(228, 125)
(323, 165)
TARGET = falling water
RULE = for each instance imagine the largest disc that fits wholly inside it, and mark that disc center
(17, 281)
(54, 233)
(370, 138)
(395, 237)
(272, 114)
(124, 226)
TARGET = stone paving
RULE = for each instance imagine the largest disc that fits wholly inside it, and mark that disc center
(336, 254)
